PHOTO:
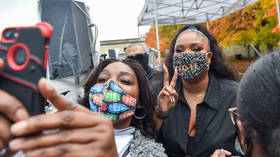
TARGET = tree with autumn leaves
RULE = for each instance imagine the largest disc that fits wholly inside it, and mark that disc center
(256, 24)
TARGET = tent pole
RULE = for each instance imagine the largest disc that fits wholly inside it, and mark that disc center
(157, 34)
(139, 38)
(278, 14)
(207, 24)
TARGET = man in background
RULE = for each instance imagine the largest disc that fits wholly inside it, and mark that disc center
(138, 52)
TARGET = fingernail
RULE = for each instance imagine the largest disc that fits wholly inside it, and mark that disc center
(21, 114)
(222, 150)
(18, 127)
(1, 61)
(174, 91)
(47, 84)
(172, 99)
(16, 144)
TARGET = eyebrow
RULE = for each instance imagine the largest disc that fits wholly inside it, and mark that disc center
(180, 46)
(197, 43)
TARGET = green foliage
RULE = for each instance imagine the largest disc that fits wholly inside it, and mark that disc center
(169, 32)
(254, 24)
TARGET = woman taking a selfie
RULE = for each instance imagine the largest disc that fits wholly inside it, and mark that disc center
(116, 90)
(127, 102)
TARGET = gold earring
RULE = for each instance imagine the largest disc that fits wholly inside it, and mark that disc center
(208, 66)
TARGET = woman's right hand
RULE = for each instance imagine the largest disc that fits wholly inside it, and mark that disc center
(78, 130)
(168, 97)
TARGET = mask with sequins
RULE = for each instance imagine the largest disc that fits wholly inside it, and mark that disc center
(189, 64)
(110, 100)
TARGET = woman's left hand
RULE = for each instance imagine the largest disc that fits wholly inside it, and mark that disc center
(221, 153)
(81, 132)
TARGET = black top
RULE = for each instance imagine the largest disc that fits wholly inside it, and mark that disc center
(214, 129)
(151, 73)
(190, 145)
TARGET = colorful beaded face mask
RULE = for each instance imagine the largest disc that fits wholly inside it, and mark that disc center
(110, 100)
(190, 65)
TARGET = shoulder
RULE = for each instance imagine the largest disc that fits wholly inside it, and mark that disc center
(142, 146)
(228, 85)
(227, 92)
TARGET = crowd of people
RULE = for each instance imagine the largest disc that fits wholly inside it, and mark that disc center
(192, 108)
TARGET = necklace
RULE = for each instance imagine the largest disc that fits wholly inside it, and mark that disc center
(199, 95)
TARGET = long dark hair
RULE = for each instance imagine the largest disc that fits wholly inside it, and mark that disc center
(258, 102)
(218, 66)
(146, 100)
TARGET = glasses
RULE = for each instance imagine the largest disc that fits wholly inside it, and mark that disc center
(233, 114)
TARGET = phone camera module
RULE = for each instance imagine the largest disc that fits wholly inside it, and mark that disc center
(10, 34)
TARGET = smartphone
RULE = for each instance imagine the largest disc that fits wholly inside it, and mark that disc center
(25, 52)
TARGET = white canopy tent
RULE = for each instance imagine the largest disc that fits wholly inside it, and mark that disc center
(171, 12)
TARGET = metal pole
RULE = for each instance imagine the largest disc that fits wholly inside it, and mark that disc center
(157, 34)
(207, 23)
(249, 57)
(139, 38)
(278, 14)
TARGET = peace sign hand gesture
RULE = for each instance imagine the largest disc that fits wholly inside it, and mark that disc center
(168, 97)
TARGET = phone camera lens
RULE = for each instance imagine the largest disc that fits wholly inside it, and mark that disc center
(10, 34)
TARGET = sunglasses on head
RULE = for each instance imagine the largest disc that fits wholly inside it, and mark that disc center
(233, 115)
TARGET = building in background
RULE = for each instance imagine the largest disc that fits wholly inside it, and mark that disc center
(116, 48)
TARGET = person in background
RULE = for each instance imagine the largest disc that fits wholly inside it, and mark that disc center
(192, 106)
(138, 52)
(258, 108)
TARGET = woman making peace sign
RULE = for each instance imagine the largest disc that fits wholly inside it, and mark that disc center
(192, 108)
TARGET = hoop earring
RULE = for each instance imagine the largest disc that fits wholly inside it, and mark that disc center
(141, 111)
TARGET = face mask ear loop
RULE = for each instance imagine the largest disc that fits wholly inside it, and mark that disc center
(208, 65)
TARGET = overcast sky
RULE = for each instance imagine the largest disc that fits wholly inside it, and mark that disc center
(116, 19)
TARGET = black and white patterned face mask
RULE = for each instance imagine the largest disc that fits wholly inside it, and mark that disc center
(189, 64)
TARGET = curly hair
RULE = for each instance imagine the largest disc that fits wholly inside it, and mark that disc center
(147, 124)
(218, 66)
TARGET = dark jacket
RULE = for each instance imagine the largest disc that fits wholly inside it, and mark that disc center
(214, 129)
(151, 73)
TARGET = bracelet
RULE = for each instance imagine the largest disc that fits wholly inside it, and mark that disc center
(159, 116)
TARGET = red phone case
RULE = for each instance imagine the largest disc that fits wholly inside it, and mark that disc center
(25, 52)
